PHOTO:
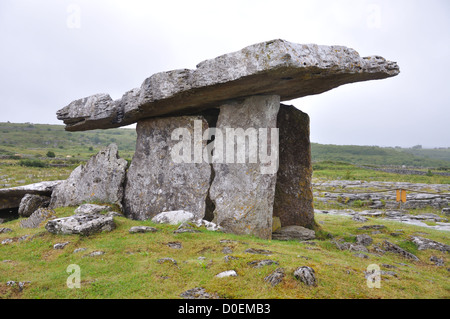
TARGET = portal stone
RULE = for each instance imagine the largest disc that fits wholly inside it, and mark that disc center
(157, 182)
(293, 193)
(243, 191)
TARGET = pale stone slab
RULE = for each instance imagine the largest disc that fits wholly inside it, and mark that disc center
(242, 193)
(155, 181)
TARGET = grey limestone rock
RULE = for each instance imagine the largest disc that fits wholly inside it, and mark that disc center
(388, 246)
(276, 67)
(275, 277)
(156, 181)
(39, 216)
(11, 197)
(30, 203)
(100, 179)
(242, 191)
(425, 243)
(307, 275)
(294, 233)
(91, 209)
(86, 224)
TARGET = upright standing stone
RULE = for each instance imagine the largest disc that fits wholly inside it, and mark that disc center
(242, 191)
(156, 181)
(100, 179)
(293, 194)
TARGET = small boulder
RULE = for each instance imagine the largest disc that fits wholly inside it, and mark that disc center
(173, 217)
(227, 273)
(388, 246)
(198, 293)
(39, 216)
(30, 203)
(81, 224)
(425, 243)
(275, 277)
(364, 240)
(142, 229)
(306, 275)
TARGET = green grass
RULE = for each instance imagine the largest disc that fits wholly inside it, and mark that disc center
(129, 267)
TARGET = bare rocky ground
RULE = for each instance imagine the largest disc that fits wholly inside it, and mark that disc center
(426, 205)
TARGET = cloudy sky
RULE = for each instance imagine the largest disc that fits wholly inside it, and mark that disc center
(55, 51)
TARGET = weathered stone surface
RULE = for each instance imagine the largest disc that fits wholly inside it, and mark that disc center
(293, 233)
(226, 273)
(155, 181)
(425, 243)
(100, 179)
(274, 67)
(388, 246)
(173, 217)
(11, 197)
(91, 209)
(307, 275)
(198, 293)
(142, 229)
(275, 277)
(85, 224)
(364, 240)
(39, 216)
(293, 202)
(30, 203)
(243, 188)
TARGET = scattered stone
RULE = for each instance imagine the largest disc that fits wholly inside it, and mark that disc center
(60, 245)
(142, 229)
(350, 246)
(4, 230)
(31, 202)
(364, 240)
(306, 275)
(95, 253)
(91, 209)
(227, 273)
(198, 293)
(164, 260)
(39, 216)
(388, 246)
(20, 284)
(258, 251)
(79, 250)
(294, 233)
(389, 266)
(437, 261)
(174, 245)
(7, 241)
(101, 179)
(261, 263)
(372, 227)
(424, 243)
(227, 258)
(227, 250)
(445, 211)
(359, 218)
(173, 217)
(80, 224)
(275, 277)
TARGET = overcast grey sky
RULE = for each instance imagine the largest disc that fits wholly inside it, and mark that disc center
(55, 51)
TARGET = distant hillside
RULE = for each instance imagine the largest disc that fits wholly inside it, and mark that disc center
(35, 140)
(382, 156)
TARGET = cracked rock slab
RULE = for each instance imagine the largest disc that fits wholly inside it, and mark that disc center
(276, 67)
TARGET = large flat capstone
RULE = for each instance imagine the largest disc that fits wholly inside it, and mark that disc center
(275, 67)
